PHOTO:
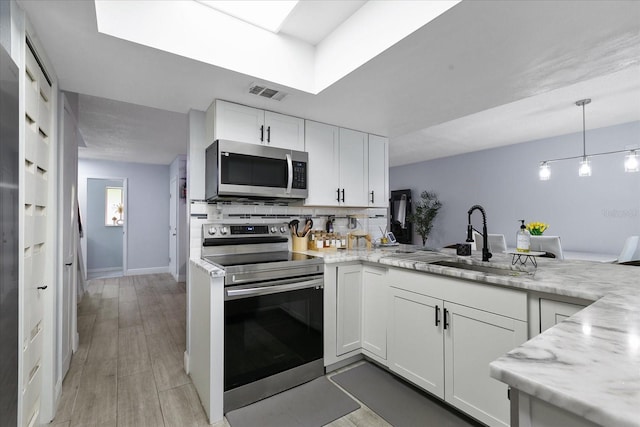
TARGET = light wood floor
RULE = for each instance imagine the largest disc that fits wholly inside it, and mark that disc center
(128, 370)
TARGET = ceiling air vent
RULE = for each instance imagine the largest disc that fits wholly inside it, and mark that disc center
(266, 92)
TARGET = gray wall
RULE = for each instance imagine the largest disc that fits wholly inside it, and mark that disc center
(593, 214)
(104, 243)
(147, 208)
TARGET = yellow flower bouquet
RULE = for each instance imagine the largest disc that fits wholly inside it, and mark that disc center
(537, 228)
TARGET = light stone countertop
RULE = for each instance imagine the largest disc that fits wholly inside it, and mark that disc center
(588, 364)
(211, 269)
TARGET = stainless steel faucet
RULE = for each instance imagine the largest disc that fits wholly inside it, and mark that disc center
(485, 236)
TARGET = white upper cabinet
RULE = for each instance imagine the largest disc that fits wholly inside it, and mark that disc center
(284, 131)
(353, 168)
(237, 122)
(378, 171)
(346, 167)
(323, 146)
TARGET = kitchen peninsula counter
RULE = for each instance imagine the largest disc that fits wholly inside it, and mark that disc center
(589, 364)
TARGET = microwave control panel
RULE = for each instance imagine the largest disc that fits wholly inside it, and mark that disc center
(299, 175)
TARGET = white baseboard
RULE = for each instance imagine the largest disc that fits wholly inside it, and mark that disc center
(186, 362)
(141, 271)
(58, 391)
(103, 270)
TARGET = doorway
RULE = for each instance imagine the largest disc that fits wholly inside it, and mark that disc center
(67, 334)
(106, 227)
(174, 265)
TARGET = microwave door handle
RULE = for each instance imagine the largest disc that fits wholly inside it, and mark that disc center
(289, 173)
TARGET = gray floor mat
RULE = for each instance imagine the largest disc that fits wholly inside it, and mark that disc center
(313, 404)
(396, 401)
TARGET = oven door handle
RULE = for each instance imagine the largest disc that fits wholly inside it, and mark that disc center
(289, 173)
(266, 290)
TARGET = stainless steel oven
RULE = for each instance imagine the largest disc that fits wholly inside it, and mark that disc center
(273, 311)
(240, 170)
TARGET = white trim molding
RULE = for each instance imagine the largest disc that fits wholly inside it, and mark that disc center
(150, 270)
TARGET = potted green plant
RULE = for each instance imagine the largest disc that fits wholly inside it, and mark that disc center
(425, 213)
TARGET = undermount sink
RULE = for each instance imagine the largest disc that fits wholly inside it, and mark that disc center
(481, 268)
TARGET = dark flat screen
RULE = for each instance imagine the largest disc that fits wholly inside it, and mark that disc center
(241, 169)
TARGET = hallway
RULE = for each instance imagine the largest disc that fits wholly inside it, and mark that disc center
(128, 370)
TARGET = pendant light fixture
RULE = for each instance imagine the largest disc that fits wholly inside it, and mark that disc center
(545, 171)
(631, 162)
(585, 165)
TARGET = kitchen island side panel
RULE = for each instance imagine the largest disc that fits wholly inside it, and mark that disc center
(206, 337)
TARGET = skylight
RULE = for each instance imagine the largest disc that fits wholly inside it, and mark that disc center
(267, 14)
(208, 35)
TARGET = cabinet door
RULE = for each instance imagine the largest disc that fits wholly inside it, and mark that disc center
(349, 303)
(553, 312)
(378, 171)
(237, 122)
(415, 340)
(374, 311)
(353, 167)
(284, 131)
(473, 339)
(323, 146)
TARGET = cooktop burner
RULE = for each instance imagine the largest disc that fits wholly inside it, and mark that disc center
(231, 260)
(255, 253)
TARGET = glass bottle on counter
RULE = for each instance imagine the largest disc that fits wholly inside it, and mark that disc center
(523, 239)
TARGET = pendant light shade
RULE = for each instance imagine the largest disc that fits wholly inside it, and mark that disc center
(585, 167)
(545, 171)
(631, 163)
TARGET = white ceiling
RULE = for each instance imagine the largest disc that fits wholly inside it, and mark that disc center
(129, 132)
(483, 74)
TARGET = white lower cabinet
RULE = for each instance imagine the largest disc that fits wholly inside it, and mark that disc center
(553, 312)
(533, 412)
(415, 341)
(445, 347)
(374, 312)
(473, 339)
(348, 309)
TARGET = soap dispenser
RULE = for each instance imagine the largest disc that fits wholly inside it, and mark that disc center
(523, 238)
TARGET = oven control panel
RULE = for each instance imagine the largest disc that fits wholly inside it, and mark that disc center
(210, 231)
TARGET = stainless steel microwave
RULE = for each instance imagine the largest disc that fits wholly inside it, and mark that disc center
(239, 170)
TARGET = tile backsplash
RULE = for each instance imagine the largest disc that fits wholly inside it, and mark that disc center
(370, 219)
